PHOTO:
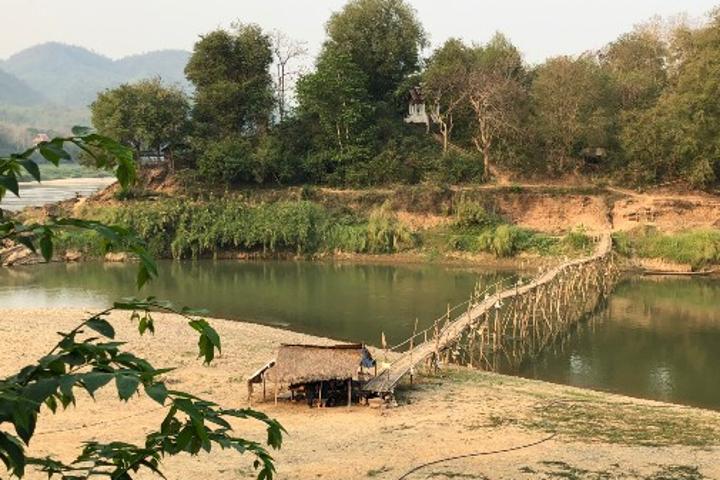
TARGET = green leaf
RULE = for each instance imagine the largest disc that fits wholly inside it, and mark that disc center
(124, 175)
(146, 323)
(14, 453)
(184, 437)
(26, 241)
(80, 131)
(101, 326)
(95, 380)
(126, 385)
(31, 167)
(9, 182)
(157, 391)
(53, 152)
(38, 391)
(46, 246)
(143, 276)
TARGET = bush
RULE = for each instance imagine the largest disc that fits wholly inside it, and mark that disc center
(470, 213)
(502, 242)
(577, 240)
(385, 233)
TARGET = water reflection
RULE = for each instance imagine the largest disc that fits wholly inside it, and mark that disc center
(345, 301)
(657, 338)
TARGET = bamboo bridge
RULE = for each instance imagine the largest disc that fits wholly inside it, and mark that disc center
(511, 325)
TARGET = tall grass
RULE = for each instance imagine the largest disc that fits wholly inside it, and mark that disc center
(191, 229)
(699, 248)
(386, 234)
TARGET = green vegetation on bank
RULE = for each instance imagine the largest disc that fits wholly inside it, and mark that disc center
(199, 228)
(699, 248)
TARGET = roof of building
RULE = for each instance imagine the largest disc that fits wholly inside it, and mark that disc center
(314, 363)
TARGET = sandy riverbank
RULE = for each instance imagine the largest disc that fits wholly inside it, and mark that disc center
(599, 435)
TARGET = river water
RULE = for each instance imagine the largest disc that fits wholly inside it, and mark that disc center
(656, 338)
(33, 194)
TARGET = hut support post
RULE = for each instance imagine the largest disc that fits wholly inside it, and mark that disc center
(349, 393)
(320, 396)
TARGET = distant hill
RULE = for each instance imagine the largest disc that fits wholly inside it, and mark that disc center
(15, 92)
(167, 64)
(72, 76)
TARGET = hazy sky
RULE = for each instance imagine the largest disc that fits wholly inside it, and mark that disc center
(540, 28)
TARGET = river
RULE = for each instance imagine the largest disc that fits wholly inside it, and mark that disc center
(33, 194)
(656, 338)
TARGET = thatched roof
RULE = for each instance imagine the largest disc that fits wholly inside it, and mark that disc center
(314, 363)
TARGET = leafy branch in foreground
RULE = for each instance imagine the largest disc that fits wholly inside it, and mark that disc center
(106, 153)
(88, 358)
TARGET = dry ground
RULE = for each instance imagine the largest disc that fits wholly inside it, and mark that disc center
(599, 436)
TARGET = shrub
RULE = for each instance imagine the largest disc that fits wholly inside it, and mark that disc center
(386, 234)
(503, 242)
(577, 239)
(470, 213)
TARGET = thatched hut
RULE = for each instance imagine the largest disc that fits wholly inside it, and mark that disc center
(318, 372)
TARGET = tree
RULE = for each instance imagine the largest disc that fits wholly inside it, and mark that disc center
(497, 96)
(637, 64)
(336, 93)
(286, 51)
(679, 136)
(88, 357)
(144, 116)
(382, 37)
(443, 82)
(574, 108)
(233, 87)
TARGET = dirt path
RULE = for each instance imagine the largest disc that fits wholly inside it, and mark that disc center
(459, 412)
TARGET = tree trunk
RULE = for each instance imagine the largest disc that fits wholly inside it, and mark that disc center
(484, 149)
(444, 132)
(486, 162)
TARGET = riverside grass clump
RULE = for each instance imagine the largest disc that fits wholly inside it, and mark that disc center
(193, 229)
(699, 248)
(476, 230)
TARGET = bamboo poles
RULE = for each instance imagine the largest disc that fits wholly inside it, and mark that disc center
(522, 325)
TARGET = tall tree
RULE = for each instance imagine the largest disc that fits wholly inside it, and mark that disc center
(336, 93)
(496, 93)
(382, 37)
(679, 137)
(146, 115)
(444, 80)
(637, 64)
(574, 108)
(233, 86)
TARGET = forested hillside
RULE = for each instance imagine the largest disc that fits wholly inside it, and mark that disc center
(49, 87)
(14, 91)
(639, 111)
(72, 76)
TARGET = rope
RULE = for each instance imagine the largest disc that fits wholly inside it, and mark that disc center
(477, 454)
(466, 302)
